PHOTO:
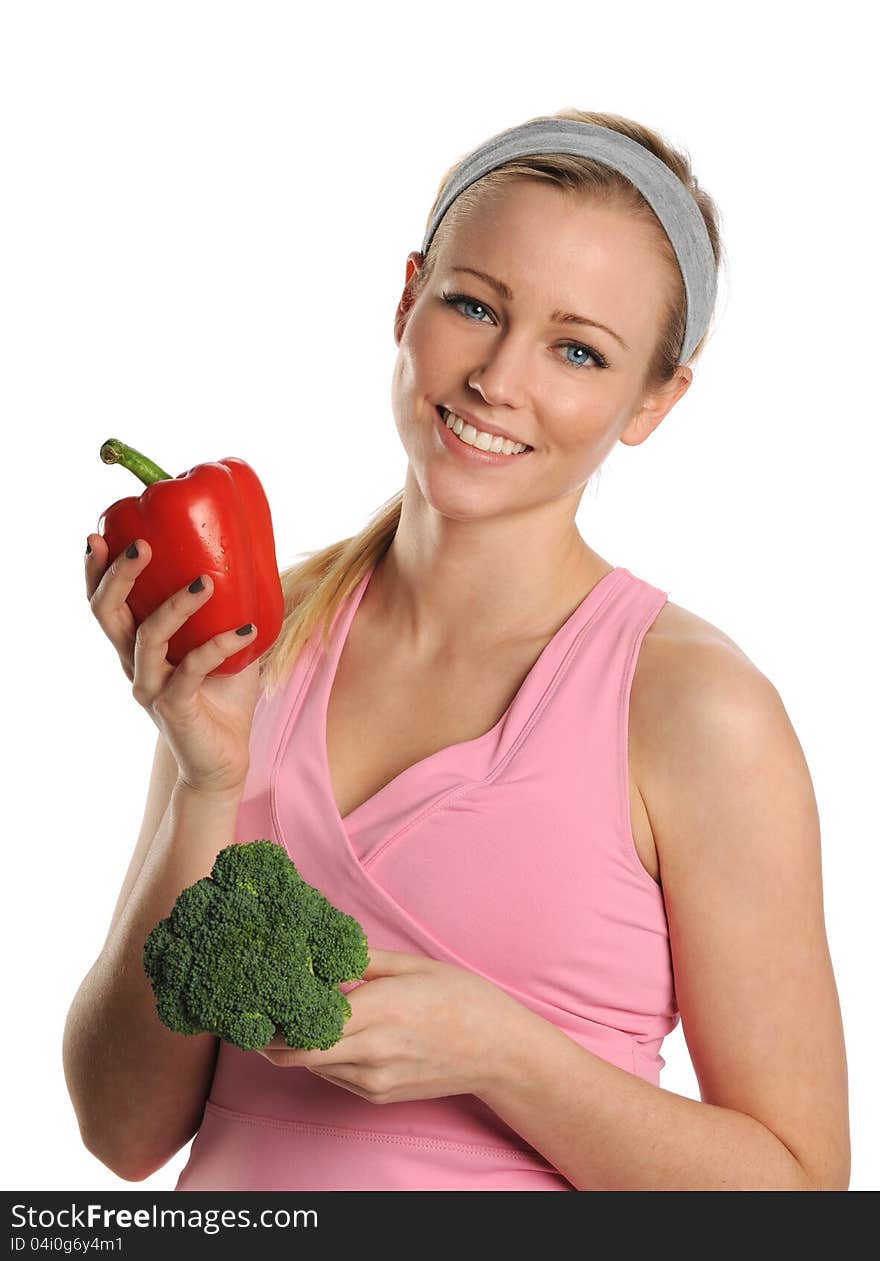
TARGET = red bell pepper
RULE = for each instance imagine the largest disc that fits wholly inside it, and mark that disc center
(213, 519)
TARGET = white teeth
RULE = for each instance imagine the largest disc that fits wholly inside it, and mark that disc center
(478, 437)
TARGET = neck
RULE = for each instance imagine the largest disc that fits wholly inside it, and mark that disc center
(444, 582)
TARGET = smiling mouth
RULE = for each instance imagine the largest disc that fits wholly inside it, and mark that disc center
(444, 413)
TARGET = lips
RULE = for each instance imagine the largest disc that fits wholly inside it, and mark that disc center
(481, 425)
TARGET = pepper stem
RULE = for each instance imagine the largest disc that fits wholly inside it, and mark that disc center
(115, 452)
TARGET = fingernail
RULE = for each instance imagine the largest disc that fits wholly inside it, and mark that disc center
(88, 548)
(132, 551)
(245, 630)
(196, 585)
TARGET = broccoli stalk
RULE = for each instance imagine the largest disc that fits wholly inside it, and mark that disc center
(252, 947)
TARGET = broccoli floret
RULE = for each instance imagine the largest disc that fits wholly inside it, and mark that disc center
(252, 947)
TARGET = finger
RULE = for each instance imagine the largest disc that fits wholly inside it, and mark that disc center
(109, 579)
(340, 1071)
(347, 1083)
(96, 557)
(195, 667)
(108, 586)
(389, 962)
(295, 1057)
(346, 1047)
(152, 670)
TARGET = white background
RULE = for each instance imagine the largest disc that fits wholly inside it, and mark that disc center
(206, 213)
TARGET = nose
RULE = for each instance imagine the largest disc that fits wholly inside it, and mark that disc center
(495, 387)
(500, 377)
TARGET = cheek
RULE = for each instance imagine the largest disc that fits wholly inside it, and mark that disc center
(404, 374)
(580, 433)
(574, 448)
(431, 355)
(417, 376)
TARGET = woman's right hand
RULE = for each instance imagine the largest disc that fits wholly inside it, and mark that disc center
(206, 721)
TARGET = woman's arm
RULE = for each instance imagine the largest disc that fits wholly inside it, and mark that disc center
(139, 1090)
(735, 819)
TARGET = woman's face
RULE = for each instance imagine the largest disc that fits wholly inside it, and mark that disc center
(508, 362)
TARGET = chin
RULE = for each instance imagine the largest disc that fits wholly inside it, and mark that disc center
(450, 496)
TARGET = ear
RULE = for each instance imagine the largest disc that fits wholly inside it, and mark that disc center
(414, 264)
(654, 407)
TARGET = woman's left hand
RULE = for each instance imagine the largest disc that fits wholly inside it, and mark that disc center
(419, 1029)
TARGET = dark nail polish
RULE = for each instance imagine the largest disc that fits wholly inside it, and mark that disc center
(132, 551)
(245, 630)
(196, 585)
(88, 548)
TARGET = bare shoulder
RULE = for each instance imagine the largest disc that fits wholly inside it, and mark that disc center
(693, 688)
(677, 628)
(680, 654)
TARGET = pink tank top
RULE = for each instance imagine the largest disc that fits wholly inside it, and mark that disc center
(511, 855)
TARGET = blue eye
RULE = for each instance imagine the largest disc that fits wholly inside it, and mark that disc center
(459, 299)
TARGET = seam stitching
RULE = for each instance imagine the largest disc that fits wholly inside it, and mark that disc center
(622, 749)
(373, 1136)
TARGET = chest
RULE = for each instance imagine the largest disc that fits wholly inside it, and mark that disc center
(384, 716)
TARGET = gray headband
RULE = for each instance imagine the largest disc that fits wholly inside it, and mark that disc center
(671, 201)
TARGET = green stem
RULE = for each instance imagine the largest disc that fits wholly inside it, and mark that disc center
(115, 452)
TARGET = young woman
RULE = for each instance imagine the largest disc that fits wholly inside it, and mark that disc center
(566, 811)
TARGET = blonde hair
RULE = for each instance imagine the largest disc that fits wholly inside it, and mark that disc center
(315, 588)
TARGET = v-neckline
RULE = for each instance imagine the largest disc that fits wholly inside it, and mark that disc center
(331, 667)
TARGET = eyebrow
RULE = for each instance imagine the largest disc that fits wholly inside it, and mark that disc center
(557, 316)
